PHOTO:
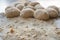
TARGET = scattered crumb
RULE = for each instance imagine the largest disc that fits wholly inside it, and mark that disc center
(11, 30)
(1, 29)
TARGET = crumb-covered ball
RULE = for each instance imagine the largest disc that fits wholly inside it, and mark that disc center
(59, 12)
(33, 3)
(16, 3)
(41, 14)
(8, 7)
(26, 3)
(54, 7)
(29, 7)
(52, 12)
(27, 13)
(38, 6)
(20, 6)
(12, 12)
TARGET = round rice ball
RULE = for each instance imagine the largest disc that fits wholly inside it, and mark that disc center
(38, 6)
(12, 12)
(27, 13)
(20, 6)
(52, 12)
(33, 3)
(41, 14)
(54, 7)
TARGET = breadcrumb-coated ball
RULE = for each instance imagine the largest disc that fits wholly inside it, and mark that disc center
(52, 12)
(59, 12)
(8, 7)
(16, 3)
(54, 7)
(41, 14)
(38, 6)
(27, 13)
(29, 7)
(12, 12)
(33, 3)
(26, 3)
(20, 6)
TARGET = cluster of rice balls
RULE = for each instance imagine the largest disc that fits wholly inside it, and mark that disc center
(31, 9)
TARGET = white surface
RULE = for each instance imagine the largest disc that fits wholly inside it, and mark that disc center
(1, 38)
